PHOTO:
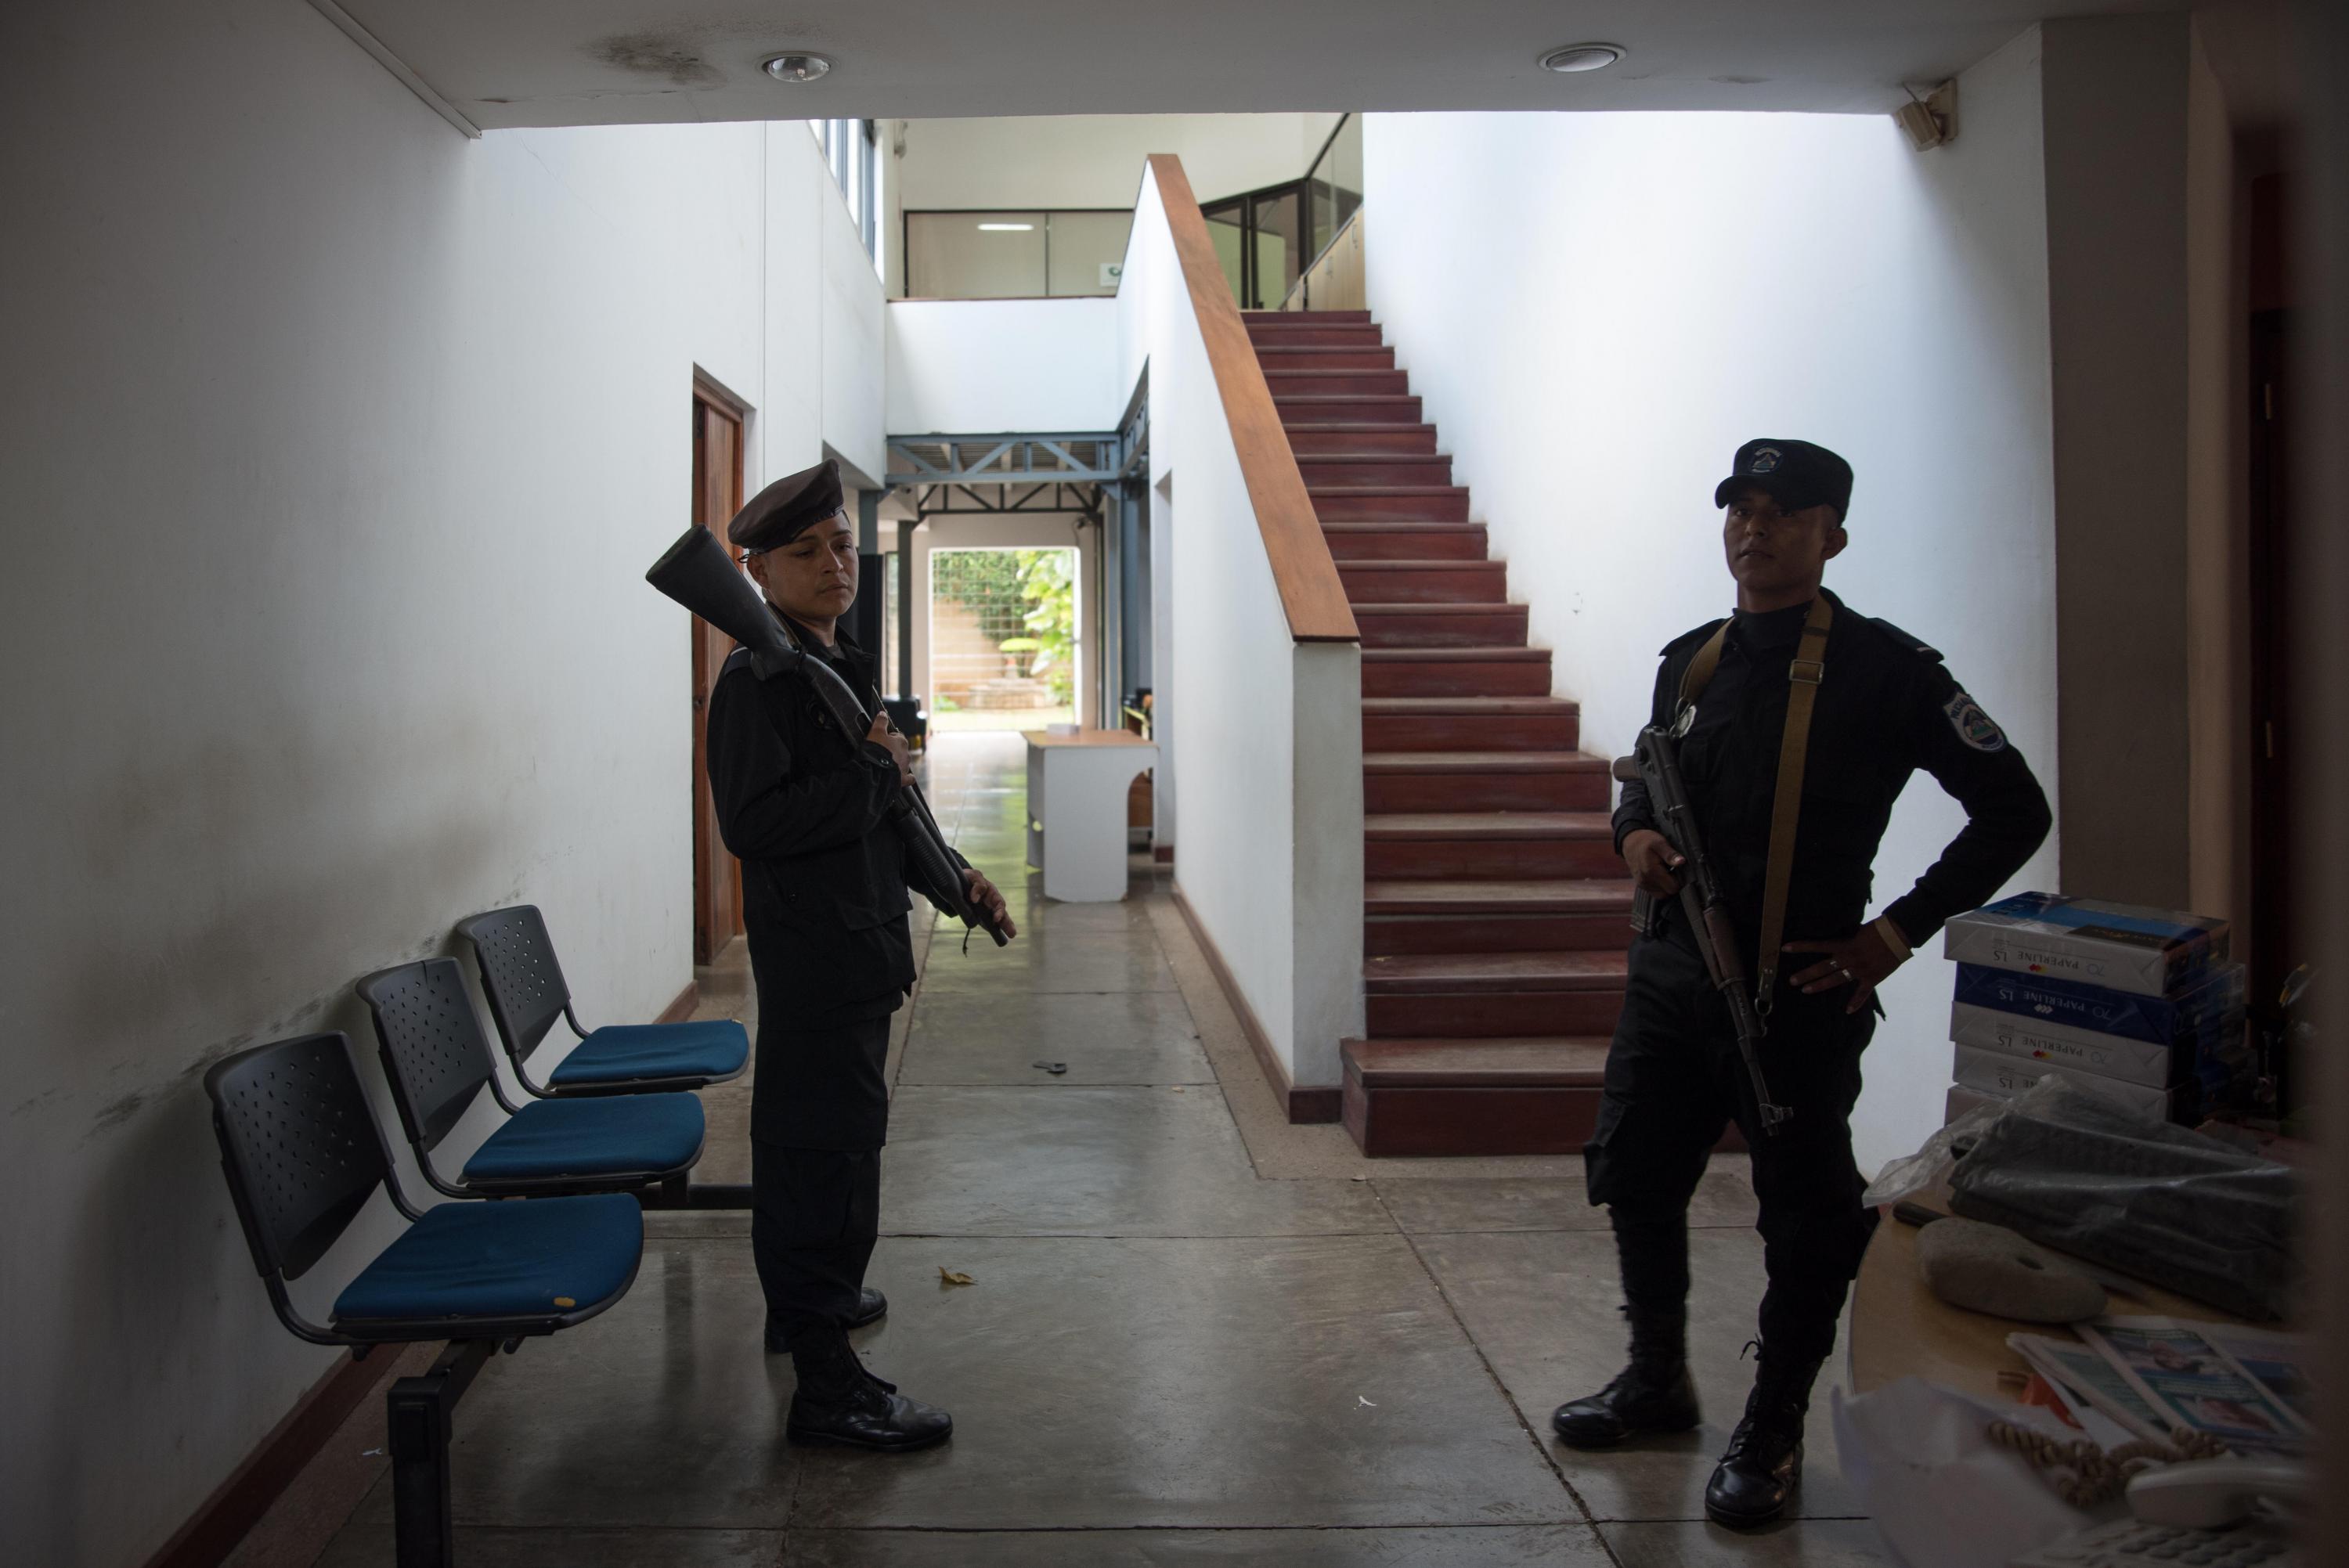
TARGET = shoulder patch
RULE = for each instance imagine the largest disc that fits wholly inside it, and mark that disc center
(1917, 645)
(1975, 727)
(739, 659)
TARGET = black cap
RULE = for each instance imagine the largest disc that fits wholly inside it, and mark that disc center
(1795, 474)
(788, 508)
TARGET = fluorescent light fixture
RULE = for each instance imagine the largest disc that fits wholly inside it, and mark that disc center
(797, 68)
(1582, 57)
(1007, 228)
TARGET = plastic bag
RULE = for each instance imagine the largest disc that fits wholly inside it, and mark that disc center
(1931, 1166)
(2073, 1171)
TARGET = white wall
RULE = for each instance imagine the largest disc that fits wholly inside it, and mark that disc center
(1095, 160)
(979, 367)
(336, 448)
(1598, 308)
(1263, 733)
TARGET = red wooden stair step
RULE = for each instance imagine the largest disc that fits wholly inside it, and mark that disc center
(1366, 408)
(1390, 538)
(1334, 318)
(1340, 440)
(1494, 974)
(1470, 724)
(1437, 581)
(1434, 503)
(1447, 844)
(1439, 1096)
(1484, 780)
(1275, 355)
(1493, 914)
(1455, 672)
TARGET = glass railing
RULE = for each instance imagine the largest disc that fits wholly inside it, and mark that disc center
(1333, 186)
(1269, 239)
(1034, 253)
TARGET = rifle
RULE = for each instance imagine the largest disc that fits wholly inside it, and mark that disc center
(698, 574)
(1655, 762)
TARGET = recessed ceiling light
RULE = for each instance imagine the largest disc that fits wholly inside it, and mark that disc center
(797, 68)
(1582, 57)
(1007, 228)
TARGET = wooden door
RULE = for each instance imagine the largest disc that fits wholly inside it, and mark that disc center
(717, 497)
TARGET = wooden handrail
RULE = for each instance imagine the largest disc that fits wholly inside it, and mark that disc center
(1302, 569)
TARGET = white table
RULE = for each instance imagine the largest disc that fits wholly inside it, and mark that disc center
(1077, 787)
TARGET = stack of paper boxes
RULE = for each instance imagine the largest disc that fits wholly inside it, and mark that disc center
(2140, 1005)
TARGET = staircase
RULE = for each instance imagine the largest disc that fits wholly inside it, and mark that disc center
(1497, 915)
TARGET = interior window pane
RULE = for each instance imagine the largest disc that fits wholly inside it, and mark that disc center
(1086, 247)
(975, 256)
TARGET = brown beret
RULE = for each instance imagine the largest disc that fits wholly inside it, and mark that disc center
(786, 509)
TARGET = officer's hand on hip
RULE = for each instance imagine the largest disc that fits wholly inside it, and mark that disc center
(884, 736)
(1655, 864)
(1860, 962)
(987, 896)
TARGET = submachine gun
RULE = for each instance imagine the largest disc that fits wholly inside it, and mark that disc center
(698, 574)
(1655, 762)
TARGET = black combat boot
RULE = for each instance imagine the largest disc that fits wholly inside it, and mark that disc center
(838, 1401)
(1764, 1462)
(872, 1306)
(1652, 1395)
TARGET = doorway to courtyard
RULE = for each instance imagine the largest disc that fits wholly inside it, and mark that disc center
(1006, 637)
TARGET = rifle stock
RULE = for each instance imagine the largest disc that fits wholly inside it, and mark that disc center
(1655, 762)
(698, 574)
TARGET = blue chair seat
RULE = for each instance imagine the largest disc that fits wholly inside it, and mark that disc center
(585, 1137)
(624, 1053)
(501, 1261)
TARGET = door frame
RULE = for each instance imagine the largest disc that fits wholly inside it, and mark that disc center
(717, 495)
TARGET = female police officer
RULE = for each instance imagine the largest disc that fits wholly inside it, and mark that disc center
(1881, 705)
(805, 809)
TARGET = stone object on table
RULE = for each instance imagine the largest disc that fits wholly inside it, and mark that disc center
(1988, 1268)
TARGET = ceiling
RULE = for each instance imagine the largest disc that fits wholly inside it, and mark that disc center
(611, 62)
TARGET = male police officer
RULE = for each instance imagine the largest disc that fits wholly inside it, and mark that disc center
(1880, 705)
(806, 810)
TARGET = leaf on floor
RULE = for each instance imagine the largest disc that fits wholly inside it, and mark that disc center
(951, 1276)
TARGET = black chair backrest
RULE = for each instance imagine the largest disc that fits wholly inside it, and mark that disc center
(433, 1051)
(519, 973)
(300, 1145)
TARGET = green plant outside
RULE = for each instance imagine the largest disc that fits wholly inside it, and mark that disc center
(1043, 582)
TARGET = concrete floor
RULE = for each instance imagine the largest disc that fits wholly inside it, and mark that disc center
(1197, 1334)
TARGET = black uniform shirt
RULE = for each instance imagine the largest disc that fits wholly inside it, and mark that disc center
(805, 809)
(1886, 708)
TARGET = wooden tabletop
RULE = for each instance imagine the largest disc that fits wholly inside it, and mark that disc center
(1040, 739)
(1899, 1328)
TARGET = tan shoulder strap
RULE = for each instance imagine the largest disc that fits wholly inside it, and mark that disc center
(1699, 675)
(1803, 677)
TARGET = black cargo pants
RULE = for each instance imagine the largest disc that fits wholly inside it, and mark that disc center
(820, 1113)
(1674, 1080)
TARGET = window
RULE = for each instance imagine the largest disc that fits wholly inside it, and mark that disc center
(849, 148)
(1014, 254)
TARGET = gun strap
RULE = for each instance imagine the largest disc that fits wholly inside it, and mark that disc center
(1803, 677)
(1699, 675)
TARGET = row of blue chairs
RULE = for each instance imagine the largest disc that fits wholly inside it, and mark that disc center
(613, 1129)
